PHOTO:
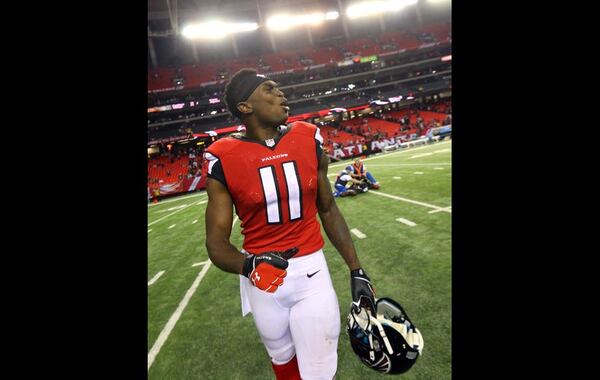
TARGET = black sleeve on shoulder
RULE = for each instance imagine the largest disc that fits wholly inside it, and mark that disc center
(318, 142)
(319, 151)
(217, 173)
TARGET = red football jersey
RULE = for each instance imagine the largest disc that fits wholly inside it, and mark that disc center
(274, 187)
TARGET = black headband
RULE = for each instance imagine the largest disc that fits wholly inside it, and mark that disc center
(247, 86)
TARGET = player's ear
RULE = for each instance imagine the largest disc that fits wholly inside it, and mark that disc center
(245, 108)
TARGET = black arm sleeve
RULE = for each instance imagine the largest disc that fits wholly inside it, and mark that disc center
(216, 172)
(319, 150)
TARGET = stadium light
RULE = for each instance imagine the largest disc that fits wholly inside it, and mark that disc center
(332, 15)
(282, 22)
(370, 8)
(285, 21)
(379, 102)
(338, 109)
(216, 29)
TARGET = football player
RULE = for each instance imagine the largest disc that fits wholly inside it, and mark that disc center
(341, 185)
(276, 177)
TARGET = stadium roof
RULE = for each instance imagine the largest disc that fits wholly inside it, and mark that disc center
(167, 18)
(182, 10)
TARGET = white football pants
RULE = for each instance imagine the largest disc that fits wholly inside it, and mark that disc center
(302, 317)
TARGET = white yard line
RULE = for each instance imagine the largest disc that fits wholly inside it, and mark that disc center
(174, 208)
(449, 208)
(420, 155)
(407, 222)
(377, 192)
(166, 216)
(200, 263)
(358, 234)
(198, 194)
(166, 331)
(156, 277)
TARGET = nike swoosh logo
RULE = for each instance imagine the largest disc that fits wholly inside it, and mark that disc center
(310, 275)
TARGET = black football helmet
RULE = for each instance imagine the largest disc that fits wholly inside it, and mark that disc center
(389, 343)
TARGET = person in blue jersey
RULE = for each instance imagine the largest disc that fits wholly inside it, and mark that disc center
(345, 185)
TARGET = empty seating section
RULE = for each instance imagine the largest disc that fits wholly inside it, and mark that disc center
(167, 170)
(330, 134)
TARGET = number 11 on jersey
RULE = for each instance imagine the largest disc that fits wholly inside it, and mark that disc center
(270, 186)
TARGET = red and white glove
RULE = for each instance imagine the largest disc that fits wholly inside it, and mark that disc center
(266, 271)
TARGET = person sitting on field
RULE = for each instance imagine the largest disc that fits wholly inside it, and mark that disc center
(358, 170)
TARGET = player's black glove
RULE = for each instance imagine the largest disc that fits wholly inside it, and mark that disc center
(363, 293)
(286, 254)
(266, 271)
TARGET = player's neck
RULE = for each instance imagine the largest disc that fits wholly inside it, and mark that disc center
(262, 133)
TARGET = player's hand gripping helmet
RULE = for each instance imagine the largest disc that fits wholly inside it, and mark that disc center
(389, 343)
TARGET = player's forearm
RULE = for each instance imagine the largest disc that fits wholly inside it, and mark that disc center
(225, 256)
(337, 231)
